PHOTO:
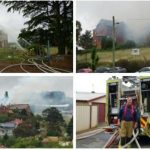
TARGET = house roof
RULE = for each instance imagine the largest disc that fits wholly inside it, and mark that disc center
(19, 106)
(7, 125)
(87, 96)
(104, 28)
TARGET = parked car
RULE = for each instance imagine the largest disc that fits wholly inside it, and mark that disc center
(102, 70)
(85, 70)
(120, 70)
(110, 70)
(145, 69)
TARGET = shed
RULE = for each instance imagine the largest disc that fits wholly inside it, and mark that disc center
(90, 110)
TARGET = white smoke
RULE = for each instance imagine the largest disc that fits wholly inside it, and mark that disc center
(28, 90)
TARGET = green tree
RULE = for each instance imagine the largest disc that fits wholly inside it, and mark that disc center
(29, 142)
(5, 139)
(106, 43)
(78, 30)
(54, 118)
(25, 130)
(94, 58)
(52, 16)
(4, 118)
(86, 40)
(70, 128)
(129, 44)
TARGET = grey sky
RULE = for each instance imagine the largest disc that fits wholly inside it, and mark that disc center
(23, 89)
(90, 82)
(11, 23)
(89, 13)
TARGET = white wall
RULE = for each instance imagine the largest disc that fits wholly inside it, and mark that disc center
(83, 118)
(94, 120)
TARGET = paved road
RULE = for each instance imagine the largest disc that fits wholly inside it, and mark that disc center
(95, 141)
(100, 139)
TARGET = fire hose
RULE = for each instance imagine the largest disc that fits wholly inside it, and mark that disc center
(133, 139)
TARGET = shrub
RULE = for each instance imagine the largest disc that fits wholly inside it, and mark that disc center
(83, 65)
(53, 133)
(131, 66)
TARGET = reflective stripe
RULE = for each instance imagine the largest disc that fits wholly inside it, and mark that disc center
(143, 122)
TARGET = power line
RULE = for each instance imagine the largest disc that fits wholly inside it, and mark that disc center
(135, 19)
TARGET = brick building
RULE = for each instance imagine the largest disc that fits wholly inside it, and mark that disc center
(104, 30)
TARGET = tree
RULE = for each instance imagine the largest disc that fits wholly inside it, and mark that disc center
(52, 16)
(94, 58)
(70, 128)
(129, 44)
(5, 139)
(30, 142)
(86, 40)
(54, 118)
(25, 130)
(4, 118)
(78, 30)
(106, 42)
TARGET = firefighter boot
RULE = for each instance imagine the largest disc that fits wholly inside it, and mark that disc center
(128, 140)
(123, 142)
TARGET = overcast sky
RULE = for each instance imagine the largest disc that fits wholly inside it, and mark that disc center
(96, 82)
(23, 89)
(135, 13)
(11, 23)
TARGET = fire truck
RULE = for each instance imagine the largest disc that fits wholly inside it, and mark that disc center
(118, 89)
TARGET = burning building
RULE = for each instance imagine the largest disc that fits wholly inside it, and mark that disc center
(3, 39)
(20, 107)
(104, 30)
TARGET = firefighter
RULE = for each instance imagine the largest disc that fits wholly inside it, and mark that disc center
(128, 121)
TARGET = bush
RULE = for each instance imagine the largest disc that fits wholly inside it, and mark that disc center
(53, 133)
(83, 65)
(25, 130)
(106, 43)
(128, 44)
(27, 143)
(4, 118)
(131, 66)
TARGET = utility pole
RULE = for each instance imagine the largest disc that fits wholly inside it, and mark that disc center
(114, 40)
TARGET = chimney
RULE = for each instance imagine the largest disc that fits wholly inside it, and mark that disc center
(93, 91)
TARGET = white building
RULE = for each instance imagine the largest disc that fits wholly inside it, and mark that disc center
(90, 110)
(3, 39)
(7, 128)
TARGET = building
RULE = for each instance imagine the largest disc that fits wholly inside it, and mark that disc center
(4, 109)
(11, 107)
(103, 30)
(20, 107)
(3, 39)
(90, 110)
(8, 127)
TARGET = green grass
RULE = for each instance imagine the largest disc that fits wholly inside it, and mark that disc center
(54, 50)
(10, 54)
(105, 56)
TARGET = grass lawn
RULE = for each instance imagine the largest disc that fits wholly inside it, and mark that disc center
(10, 54)
(123, 58)
(106, 56)
(18, 55)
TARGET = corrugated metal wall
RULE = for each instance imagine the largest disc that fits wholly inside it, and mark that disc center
(83, 118)
(94, 118)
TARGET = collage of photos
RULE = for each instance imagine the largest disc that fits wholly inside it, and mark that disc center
(36, 107)
(112, 81)
(74, 74)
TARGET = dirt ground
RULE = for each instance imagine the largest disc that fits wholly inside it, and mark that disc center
(62, 62)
